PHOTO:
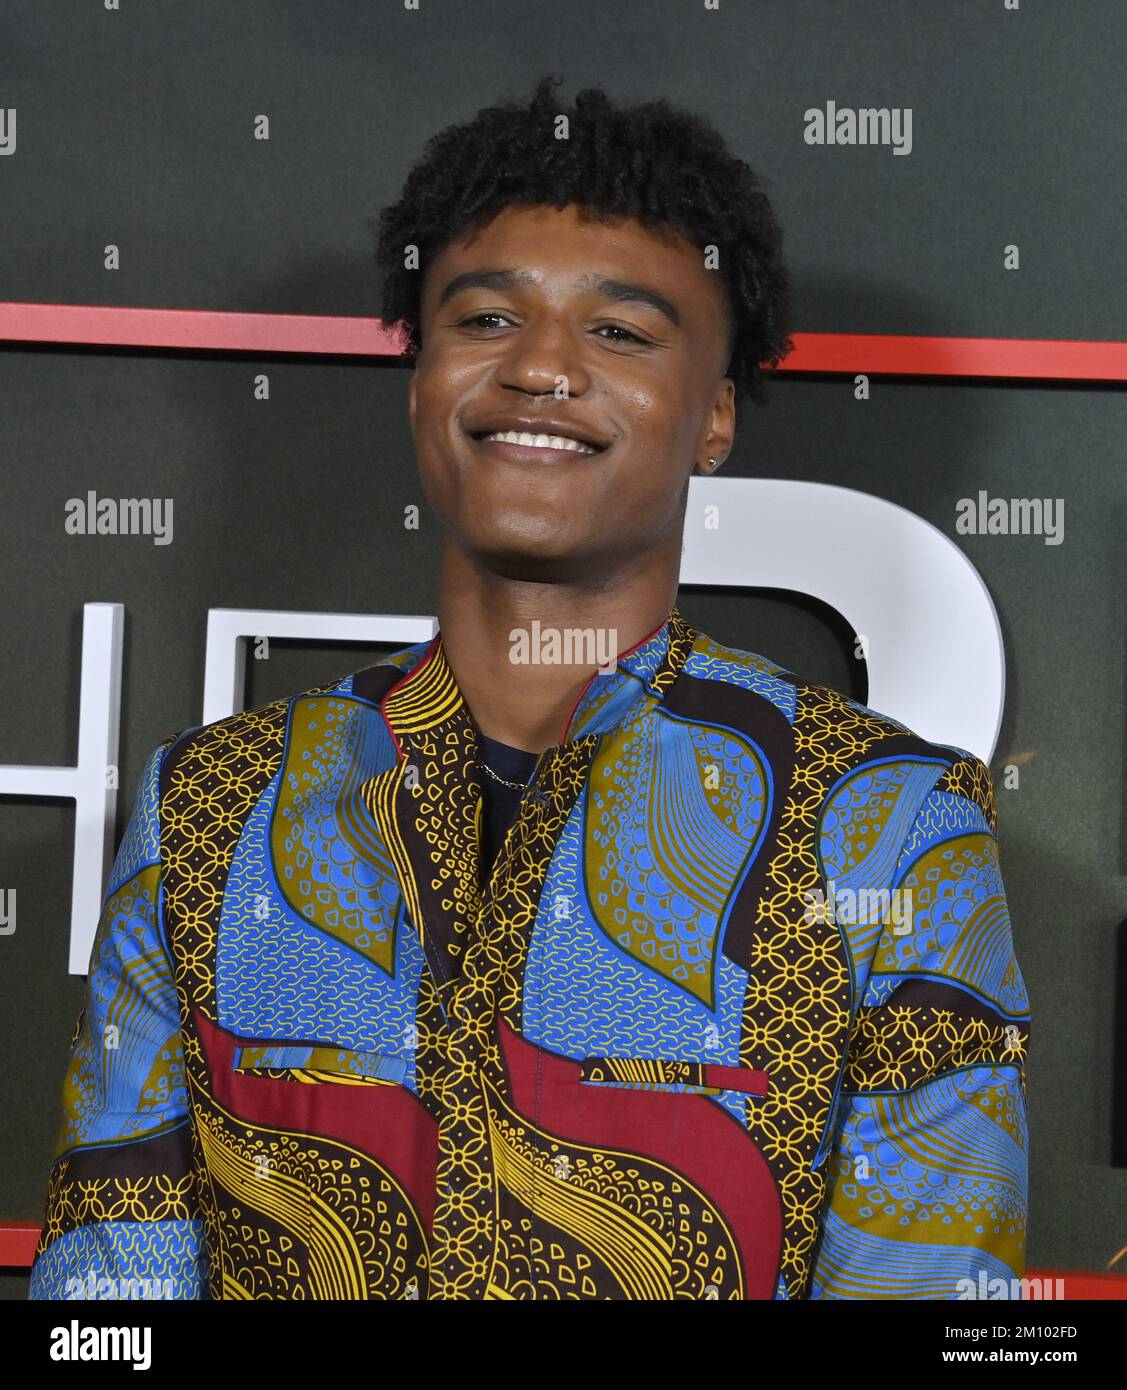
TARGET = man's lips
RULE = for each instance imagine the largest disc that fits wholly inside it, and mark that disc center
(535, 446)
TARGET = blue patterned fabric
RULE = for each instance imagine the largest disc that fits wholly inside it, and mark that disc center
(735, 1013)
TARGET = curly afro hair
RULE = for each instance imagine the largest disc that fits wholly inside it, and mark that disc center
(664, 167)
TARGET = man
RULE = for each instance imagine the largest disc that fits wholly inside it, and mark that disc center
(499, 969)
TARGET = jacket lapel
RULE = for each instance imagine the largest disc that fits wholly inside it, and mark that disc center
(428, 808)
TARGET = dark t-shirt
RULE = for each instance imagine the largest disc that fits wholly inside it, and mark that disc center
(501, 803)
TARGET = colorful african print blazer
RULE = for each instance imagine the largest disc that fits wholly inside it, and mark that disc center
(736, 1014)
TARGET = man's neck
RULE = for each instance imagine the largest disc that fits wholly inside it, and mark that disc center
(526, 703)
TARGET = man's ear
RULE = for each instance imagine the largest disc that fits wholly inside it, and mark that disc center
(720, 434)
(724, 419)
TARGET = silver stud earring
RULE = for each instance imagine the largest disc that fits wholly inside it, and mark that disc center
(711, 464)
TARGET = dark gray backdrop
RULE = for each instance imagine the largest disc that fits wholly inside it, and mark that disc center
(136, 127)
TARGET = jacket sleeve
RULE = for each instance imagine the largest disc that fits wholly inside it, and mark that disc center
(121, 1217)
(928, 1169)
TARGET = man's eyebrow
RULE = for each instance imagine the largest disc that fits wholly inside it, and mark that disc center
(623, 293)
(485, 280)
(620, 291)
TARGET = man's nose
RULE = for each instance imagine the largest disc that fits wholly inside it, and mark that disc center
(546, 352)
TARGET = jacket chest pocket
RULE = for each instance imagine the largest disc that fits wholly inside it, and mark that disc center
(623, 1029)
(312, 1012)
(665, 1074)
(315, 1064)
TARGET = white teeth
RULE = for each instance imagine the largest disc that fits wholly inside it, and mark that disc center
(540, 441)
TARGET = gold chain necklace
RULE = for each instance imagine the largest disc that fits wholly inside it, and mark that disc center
(516, 786)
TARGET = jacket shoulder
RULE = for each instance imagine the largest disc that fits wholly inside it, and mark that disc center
(964, 774)
(825, 720)
(369, 684)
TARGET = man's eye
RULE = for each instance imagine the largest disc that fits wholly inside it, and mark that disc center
(476, 318)
(616, 328)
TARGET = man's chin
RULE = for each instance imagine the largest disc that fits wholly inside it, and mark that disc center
(533, 563)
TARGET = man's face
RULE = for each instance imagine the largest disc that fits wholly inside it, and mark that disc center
(535, 326)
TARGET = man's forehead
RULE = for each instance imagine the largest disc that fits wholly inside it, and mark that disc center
(530, 246)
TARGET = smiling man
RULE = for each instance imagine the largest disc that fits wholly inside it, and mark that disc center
(518, 965)
(558, 411)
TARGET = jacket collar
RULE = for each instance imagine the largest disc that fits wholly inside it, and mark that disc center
(427, 803)
(428, 696)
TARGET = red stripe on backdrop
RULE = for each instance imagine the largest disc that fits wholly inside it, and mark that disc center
(17, 1244)
(198, 329)
(876, 353)
(1083, 1284)
(1046, 359)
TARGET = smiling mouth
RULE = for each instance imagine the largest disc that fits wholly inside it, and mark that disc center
(525, 441)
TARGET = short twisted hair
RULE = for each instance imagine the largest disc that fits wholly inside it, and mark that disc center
(665, 167)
